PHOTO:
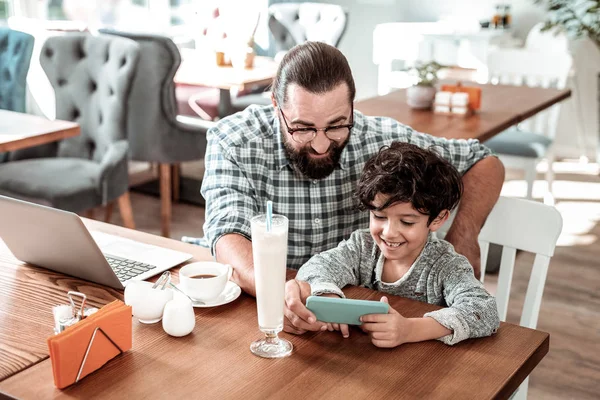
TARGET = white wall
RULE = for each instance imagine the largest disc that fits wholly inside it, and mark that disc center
(365, 14)
(357, 43)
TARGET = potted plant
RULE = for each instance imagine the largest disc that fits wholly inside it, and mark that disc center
(422, 93)
(578, 18)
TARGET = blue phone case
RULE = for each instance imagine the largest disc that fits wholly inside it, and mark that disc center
(343, 311)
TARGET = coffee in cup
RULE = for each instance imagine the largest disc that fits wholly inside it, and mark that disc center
(204, 280)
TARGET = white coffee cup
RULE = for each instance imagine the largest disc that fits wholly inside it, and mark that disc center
(204, 280)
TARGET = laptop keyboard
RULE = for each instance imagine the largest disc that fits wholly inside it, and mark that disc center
(127, 269)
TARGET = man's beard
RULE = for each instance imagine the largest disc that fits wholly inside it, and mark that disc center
(308, 166)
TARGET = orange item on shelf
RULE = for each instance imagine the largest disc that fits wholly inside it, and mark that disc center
(89, 344)
(473, 92)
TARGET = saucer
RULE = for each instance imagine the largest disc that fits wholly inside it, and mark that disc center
(231, 292)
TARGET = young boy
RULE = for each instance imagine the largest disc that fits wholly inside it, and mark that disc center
(409, 192)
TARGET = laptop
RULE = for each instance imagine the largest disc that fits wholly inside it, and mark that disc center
(58, 240)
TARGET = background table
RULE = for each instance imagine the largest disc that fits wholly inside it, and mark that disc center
(200, 69)
(502, 107)
(19, 130)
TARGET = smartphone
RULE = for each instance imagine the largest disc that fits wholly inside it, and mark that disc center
(343, 311)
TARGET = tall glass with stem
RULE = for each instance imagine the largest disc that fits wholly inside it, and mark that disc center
(269, 248)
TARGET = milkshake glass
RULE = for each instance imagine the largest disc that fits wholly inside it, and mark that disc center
(269, 249)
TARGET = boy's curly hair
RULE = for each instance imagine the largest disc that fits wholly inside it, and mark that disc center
(409, 174)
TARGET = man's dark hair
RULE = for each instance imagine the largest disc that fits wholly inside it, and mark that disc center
(409, 174)
(316, 67)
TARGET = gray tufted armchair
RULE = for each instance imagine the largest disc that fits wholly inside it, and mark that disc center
(155, 132)
(91, 77)
(295, 23)
(15, 54)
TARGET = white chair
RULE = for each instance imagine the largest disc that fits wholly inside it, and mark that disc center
(518, 224)
(525, 146)
(395, 42)
(558, 42)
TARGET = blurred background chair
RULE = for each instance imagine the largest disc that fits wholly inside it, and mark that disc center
(524, 146)
(15, 55)
(291, 24)
(91, 77)
(154, 131)
(295, 23)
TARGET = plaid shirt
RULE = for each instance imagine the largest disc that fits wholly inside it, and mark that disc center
(246, 165)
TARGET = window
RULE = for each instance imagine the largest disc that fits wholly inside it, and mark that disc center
(4, 9)
(182, 11)
(55, 10)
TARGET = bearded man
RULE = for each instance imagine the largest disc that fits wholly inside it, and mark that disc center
(306, 152)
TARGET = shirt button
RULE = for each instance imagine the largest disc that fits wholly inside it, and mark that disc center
(317, 221)
(314, 182)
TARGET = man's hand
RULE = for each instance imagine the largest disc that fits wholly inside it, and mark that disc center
(468, 246)
(298, 318)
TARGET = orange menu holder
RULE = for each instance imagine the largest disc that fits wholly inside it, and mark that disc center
(89, 344)
(473, 92)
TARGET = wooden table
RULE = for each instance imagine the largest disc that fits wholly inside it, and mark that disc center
(215, 361)
(18, 130)
(200, 69)
(502, 107)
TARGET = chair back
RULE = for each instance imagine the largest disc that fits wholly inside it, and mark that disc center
(15, 55)
(153, 131)
(518, 224)
(525, 67)
(295, 23)
(91, 77)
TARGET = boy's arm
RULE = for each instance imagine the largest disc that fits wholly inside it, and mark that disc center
(330, 271)
(483, 177)
(327, 272)
(472, 311)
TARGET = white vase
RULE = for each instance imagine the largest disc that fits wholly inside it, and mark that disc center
(420, 97)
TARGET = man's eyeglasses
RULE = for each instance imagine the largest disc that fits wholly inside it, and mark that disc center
(305, 135)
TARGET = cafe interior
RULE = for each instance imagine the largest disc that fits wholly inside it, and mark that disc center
(105, 108)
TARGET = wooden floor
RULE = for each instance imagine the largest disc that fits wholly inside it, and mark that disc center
(570, 309)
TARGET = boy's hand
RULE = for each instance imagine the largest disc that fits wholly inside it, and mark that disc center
(339, 327)
(386, 330)
(298, 319)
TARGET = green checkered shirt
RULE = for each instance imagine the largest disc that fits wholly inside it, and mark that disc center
(246, 165)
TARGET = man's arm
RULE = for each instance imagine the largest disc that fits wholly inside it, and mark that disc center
(236, 250)
(230, 203)
(482, 185)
